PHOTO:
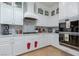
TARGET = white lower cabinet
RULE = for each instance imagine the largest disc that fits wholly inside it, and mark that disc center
(18, 46)
(42, 39)
(5, 50)
(5, 46)
(31, 40)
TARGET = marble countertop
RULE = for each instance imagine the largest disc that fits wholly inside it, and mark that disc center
(20, 35)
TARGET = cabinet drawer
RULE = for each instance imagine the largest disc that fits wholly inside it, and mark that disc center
(5, 40)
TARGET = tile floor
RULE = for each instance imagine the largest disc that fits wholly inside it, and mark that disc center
(47, 51)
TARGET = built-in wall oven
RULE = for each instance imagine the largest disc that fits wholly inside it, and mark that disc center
(74, 26)
(64, 38)
(62, 27)
(70, 36)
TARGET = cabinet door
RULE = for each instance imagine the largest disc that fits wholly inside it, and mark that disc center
(6, 14)
(18, 16)
(19, 46)
(0, 11)
(6, 46)
(42, 41)
(5, 50)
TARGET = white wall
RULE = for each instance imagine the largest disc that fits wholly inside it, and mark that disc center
(54, 20)
(42, 19)
(47, 20)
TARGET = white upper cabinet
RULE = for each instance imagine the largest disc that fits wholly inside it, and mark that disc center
(68, 9)
(6, 14)
(0, 10)
(11, 13)
(18, 16)
(18, 13)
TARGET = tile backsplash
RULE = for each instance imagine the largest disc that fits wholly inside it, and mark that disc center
(12, 29)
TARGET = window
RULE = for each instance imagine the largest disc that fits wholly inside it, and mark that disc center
(57, 11)
(53, 13)
(46, 13)
(8, 3)
(18, 4)
(40, 11)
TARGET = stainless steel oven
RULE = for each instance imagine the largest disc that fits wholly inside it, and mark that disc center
(74, 25)
(69, 36)
(62, 27)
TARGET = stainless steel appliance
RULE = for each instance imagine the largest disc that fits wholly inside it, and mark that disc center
(65, 26)
(4, 29)
(66, 37)
(50, 29)
(62, 27)
(74, 26)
